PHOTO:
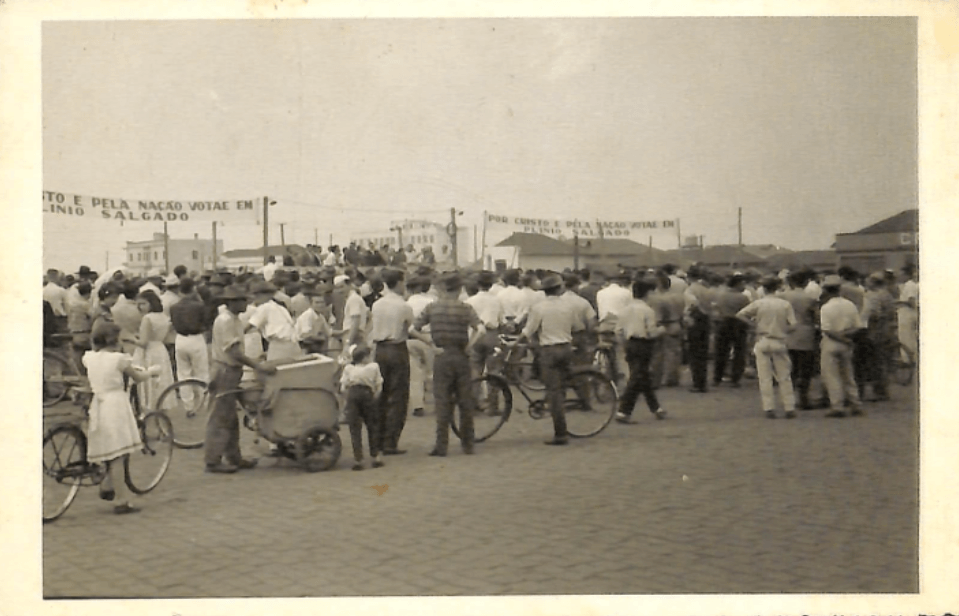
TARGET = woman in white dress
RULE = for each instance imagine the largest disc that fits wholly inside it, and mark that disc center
(112, 432)
(154, 328)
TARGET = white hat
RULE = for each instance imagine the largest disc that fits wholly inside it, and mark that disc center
(172, 281)
(342, 278)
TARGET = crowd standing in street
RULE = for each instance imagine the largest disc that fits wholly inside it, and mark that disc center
(404, 330)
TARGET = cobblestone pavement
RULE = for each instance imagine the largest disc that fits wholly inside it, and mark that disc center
(716, 499)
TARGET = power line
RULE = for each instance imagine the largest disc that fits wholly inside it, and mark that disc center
(281, 200)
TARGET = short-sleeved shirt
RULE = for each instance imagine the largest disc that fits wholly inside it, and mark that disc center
(636, 321)
(611, 300)
(55, 295)
(188, 316)
(839, 314)
(729, 302)
(391, 318)
(274, 322)
(227, 332)
(554, 320)
(803, 336)
(355, 307)
(488, 308)
(581, 307)
(514, 303)
(450, 321)
(773, 316)
(853, 293)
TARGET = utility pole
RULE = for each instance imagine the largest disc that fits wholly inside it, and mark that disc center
(166, 249)
(740, 225)
(214, 245)
(266, 227)
(475, 255)
(316, 236)
(453, 236)
(282, 234)
(679, 235)
(576, 252)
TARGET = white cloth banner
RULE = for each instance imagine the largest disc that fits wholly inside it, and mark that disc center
(588, 228)
(67, 205)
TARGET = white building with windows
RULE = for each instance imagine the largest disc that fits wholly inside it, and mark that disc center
(149, 256)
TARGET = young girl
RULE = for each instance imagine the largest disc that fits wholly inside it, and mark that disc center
(362, 382)
(154, 328)
(112, 432)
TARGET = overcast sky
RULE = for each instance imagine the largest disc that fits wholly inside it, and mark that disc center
(808, 124)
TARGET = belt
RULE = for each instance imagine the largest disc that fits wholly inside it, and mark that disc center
(190, 334)
(389, 342)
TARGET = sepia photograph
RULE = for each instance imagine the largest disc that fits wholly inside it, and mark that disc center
(547, 306)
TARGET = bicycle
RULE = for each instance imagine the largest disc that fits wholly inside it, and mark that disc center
(66, 468)
(590, 408)
(188, 405)
(61, 372)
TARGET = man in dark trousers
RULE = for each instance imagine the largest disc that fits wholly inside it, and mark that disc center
(450, 321)
(392, 318)
(732, 332)
(698, 315)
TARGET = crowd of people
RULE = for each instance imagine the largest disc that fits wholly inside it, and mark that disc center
(405, 329)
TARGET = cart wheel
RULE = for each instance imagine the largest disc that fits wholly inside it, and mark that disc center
(55, 371)
(64, 456)
(318, 449)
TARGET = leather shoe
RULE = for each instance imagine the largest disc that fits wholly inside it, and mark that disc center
(790, 414)
(697, 390)
(835, 414)
(623, 418)
(222, 468)
(245, 464)
(378, 464)
(557, 441)
(438, 454)
(393, 452)
(108, 495)
(125, 509)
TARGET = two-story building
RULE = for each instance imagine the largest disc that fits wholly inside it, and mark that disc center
(149, 256)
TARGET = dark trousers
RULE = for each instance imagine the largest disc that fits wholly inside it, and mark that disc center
(730, 336)
(555, 360)
(362, 409)
(803, 369)
(223, 427)
(861, 352)
(394, 361)
(171, 350)
(452, 386)
(698, 340)
(639, 352)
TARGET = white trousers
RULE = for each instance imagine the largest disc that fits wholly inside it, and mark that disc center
(421, 371)
(192, 361)
(909, 330)
(837, 374)
(772, 361)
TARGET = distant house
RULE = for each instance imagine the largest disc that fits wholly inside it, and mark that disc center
(818, 260)
(888, 244)
(149, 256)
(722, 258)
(535, 251)
(253, 257)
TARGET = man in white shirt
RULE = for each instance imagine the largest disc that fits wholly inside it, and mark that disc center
(839, 319)
(908, 312)
(332, 258)
(582, 338)
(355, 314)
(774, 318)
(275, 323)
(421, 352)
(269, 270)
(610, 301)
(513, 299)
(489, 309)
(312, 327)
(637, 330)
(54, 294)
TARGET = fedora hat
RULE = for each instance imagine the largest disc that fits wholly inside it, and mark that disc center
(551, 282)
(832, 281)
(262, 288)
(233, 292)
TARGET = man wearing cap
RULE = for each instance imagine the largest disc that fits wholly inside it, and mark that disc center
(390, 319)
(878, 319)
(839, 319)
(170, 294)
(188, 316)
(274, 323)
(450, 321)
(553, 322)
(732, 332)
(774, 319)
(222, 444)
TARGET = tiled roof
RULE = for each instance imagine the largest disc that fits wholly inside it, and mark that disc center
(906, 221)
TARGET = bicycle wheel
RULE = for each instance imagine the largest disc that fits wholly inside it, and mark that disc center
(902, 365)
(188, 406)
(603, 362)
(55, 385)
(590, 404)
(523, 365)
(318, 449)
(145, 469)
(64, 458)
(495, 403)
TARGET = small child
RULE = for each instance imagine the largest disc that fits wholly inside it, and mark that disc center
(112, 432)
(362, 382)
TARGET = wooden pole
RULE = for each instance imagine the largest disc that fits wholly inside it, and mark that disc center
(576, 252)
(214, 245)
(266, 227)
(454, 232)
(679, 234)
(483, 249)
(166, 249)
(740, 225)
(475, 255)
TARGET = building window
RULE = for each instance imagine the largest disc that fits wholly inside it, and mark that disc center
(196, 255)
(155, 255)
